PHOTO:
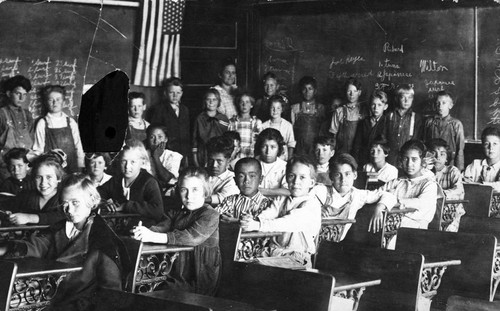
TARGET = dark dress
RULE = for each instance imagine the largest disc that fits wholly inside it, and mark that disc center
(28, 202)
(206, 127)
(14, 186)
(97, 248)
(145, 197)
(196, 271)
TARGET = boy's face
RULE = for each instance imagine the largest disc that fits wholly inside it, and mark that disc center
(377, 154)
(211, 102)
(131, 163)
(275, 110)
(157, 137)
(491, 147)
(217, 164)
(443, 105)
(353, 94)
(55, 102)
(270, 86)
(18, 95)
(377, 107)
(308, 92)
(18, 168)
(405, 100)
(245, 105)
(248, 177)
(323, 153)
(76, 204)
(299, 180)
(441, 156)
(343, 177)
(228, 75)
(136, 108)
(174, 94)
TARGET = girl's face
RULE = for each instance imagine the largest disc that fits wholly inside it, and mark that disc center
(174, 94)
(156, 137)
(412, 163)
(377, 154)
(228, 75)
(308, 92)
(377, 107)
(491, 148)
(211, 102)
(97, 166)
(55, 102)
(270, 86)
(245, 105)
(275, 110)
(136, 108)
(77, 204)
(131, 163)
(441, 157)
(299, 180)
(46, 180)
(192, 192)
(269, 151)
(353, 94)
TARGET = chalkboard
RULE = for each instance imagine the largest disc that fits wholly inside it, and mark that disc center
(429, 49)
(67, 44)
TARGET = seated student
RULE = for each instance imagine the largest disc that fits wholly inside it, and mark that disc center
(235, 155)
(17, 164)
(343, 200)
(194, 224)
(221, 180)
(412, 190)
(250, 201)
(486, 171)
(268, 148)
(448, 177)
(39, 205)
(83, 238)
(165, 163)
(324, 149)
(136, 124)
(379, 150)
(134, 190)
(297, 215)
(95, 165)
(277, 104)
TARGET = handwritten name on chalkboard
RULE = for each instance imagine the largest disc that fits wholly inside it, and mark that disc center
(494, 106)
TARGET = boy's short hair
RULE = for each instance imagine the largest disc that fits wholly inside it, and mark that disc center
(17, 154)
(445, 93)
(220, 144)
(53, 88)
(134, 95)
(198, 172)
(16, 81)
(404, 88)
(155, 126)
(308, 80)
(233, 135)
(215, 93)
(302, 159)
(325, 140)
(276, 99)
(382, 142)
(352, 81)
(343, 158)
(414, 144)
(91, 156)
(174, 81)
(269, 134)
(248, 160)
(380, 95)
(269, 75)
(490, 131)
(439, 142)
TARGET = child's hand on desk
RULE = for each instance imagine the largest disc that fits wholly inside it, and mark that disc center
(377, 220)
(228, 218)
(20, 218)
(141, 233)
(249, 224)
(112, 206)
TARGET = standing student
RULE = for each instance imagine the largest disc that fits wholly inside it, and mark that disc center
(298, 216)
(227, 88)
(246, 125)
(404, 123)
(371, 127)
(276, 105)
(486, 171)
(56, 130)
(346, 118)
(444, 126)
(324, 150)
(18, 165)
(271, 89)
(136, 124)
(210, 123)
(307, 117)
(175, 117)
(194, 224)
(16, 123)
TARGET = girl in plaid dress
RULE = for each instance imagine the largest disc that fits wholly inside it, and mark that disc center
(246, 125)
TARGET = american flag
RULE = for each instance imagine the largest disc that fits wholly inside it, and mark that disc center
(160, 41)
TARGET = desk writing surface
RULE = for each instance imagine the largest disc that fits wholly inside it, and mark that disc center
(30, 266)
(153, 248)
(23, 228)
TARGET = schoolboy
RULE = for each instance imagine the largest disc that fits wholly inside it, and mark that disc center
(136, 124)
(324, 150)
(486, 171)
(263, 105)
(221, 180)
(250, 201)
(346, 118)
(175, 116)
(371, 127)
(297, 215)
(444, 126)
(16, 123)
(19, 179)
(404, 123)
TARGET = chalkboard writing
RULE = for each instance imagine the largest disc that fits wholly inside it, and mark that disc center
(280, 57)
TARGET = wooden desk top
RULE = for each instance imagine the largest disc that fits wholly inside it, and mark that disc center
(432, 262)
(23, 228)
(31, 266)
(333, 221)
(259, 234)
(345, 281)
(118, 215)
(152, 248)
(213, 303)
